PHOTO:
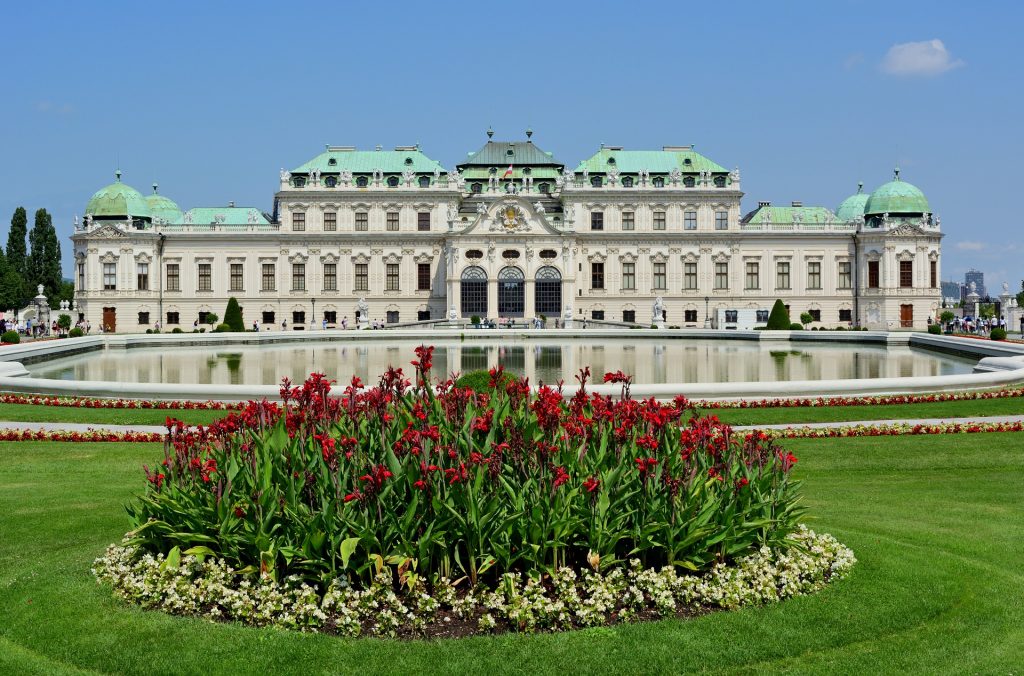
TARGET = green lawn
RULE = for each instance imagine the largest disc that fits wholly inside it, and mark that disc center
(100, 416)
(937, 524)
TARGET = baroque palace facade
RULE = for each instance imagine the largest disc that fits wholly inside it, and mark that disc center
(625, 236)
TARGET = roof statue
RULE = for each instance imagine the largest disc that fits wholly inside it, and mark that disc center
(613, 175)
(345, 176)
(735, 175)
(437, 174)
(408, 175)
(675, 175)
(481, 208)
(538, 207)
(285, 175)
(1006, 288)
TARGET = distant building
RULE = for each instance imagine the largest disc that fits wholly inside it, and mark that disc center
(952, 291)
(978, 278)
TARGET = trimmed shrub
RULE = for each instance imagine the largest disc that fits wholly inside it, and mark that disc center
(177, 329)
(806, 318)
(796, 326)
(11, 337)
(934, 329)
(76, 332)
(480, 381)
(474, 320)
(998, 333)
(778, 320)
(233, 316)
(221, 328)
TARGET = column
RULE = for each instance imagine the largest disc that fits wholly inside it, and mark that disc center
(529, 305)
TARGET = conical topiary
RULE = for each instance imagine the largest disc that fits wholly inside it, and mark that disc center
(233, 315)
(778, 320)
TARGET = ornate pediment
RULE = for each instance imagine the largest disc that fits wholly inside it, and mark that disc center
(907, 230)
(107, 232)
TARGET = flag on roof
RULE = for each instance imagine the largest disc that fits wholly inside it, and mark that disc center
(508, 172)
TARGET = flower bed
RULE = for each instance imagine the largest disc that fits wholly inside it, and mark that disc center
(890, 429)
(881, 400)
(78, 437)
(202, 586)
(87, 402)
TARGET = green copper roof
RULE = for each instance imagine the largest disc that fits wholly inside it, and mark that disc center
(897, 197)
(538, 173)
(117, 200)
(367, 161)
(224, 216)
(786, 215)
(852, 207)
(162, 208)
(504, 153)
(654, 161)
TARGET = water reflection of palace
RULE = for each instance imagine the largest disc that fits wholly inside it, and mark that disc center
(648, 361)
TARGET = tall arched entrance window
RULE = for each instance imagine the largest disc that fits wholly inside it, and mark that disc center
(511, 292)
(548, 296)
(474, 292)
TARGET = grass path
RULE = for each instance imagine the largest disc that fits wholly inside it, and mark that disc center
(103, 416)
(937, 524)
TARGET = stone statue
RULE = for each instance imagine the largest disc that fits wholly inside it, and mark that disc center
(1006, 289)
(437, 174)
(39, 289)
(408, 175)
(885, 220)
(938, 221)
(539, 208)
(613, 175)
(973, 287)
(346, 176)
(453, 314)
(76, 221)
(586, 174)
(675, 175)
(644, 175)
(188, 218)
(481, 208)
(735, 175)
(767, 217)
(363, 308)
(568, 176)
(285, 175)
(567, 312)
(570, 213)
(453, 212)
(88, 221)
(658, 311)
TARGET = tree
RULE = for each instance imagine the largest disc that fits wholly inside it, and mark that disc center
(15, 283)
(1020, 296)
(806, 318)
(778, 320)
(233, 315)
(12, 288)
(44, 260)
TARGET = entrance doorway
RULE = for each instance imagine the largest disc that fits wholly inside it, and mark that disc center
(906, 316)
(109, 320)
(511, 292)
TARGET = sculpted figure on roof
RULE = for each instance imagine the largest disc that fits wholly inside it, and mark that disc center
(346, 176)
(675, 175)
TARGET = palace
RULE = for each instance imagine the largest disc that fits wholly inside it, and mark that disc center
(626, 236)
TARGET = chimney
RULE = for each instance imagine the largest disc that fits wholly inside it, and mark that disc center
(231, 204)
(763, 204)
(796, 203)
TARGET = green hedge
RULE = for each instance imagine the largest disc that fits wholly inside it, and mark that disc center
(10, 337)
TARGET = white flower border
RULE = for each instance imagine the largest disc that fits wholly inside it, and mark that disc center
(209, 588)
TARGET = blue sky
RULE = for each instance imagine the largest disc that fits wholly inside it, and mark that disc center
(212, 99)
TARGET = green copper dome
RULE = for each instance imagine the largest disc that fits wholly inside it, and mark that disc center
(852, 207)
(897, 197)
(117, 200)
(162, 207)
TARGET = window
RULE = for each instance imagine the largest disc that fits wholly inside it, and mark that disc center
(204, 317)
(628, 220)
(331, 181)
(142, 277)
(595, 181)
(422, 315)
(846, 315)
(330, 276)
(392, 221)
(814, 275)
(476, 187)
(721, 220)
(597, 314)
(475, 254)
(597, 275)
(815, 315)
(298, 318)
(732, 316)
(658, 182)
(392, 181)
(906, 274)
(659, 220)
(362, 277)
(782, 275)
(423, 221)
(236, 276)
(298, 221)
(844, 275)
(548, 291)
(330, 221)
(269, 277)
(362, 181)
(423, 276)
(331, 316)
(81, 276)
(392, 276)
(597, 220)
(362, 221)
(690, 276)
(110, 276)
(721, 275)
(689, 220)
(689, 182)
(173, 318)
(299, 181)
(424, 181)
(689, 315)
(268, 317)
(719, 181)
(753, 280)
(173, 277)
(143, 318)
(298, 276)
(629, 276)
(544, 188)
(933, 274)
(761, 316)
(391, 316)
(629, 316)
(872, 274)
(206, 277)
(473, 290)
(659, 276)
(627, 181)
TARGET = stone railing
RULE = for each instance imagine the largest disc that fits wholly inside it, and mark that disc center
(798, 227)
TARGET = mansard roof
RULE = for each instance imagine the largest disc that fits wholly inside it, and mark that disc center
(766, 213)
(339, 158)
(683, 158)
(516, 153)
(224, 216)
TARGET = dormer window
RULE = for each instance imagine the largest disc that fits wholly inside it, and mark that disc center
(595, 181)
(719, 181)
(424, 181)
(544, 188)
(392, 181)
(527, 171)
(611, 160)
(331, 181)
(493, 170)
(332, 162)
(408, 161)
(687, 161)
(476, 187)
(689, 182)
(362, 181)
(627, 181)
(658, 182)
(509, 152)
(299, 181)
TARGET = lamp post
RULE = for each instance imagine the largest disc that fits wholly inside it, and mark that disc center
(312, 319)
(707, 312)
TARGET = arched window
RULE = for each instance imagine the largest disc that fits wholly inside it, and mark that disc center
(299, 181)
(332, 162)
(548, 288)
(627, 181)
(544, 188)
(719, 181)
(689, 182)
(595, 181)
(424, 181)
(331, 181)
(473, 288)
(658, 182)
(474, 254)
(362, 181)
(392, 181)
(476, 187)
(511, 292)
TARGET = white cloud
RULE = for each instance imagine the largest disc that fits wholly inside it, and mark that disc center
(970, 246)
(929, 57)
(853, 60)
